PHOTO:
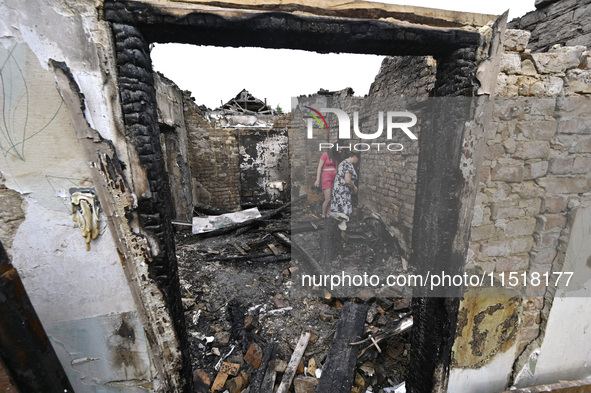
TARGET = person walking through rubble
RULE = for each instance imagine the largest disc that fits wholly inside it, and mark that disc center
(344, 185)
(325, 175)
(341, 205)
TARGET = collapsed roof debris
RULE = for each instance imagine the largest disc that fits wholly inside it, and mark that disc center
(244, 110)
(244, 102)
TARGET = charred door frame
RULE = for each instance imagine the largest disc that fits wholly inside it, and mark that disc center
(443, 206)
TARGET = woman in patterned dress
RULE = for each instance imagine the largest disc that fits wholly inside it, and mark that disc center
(344, 185)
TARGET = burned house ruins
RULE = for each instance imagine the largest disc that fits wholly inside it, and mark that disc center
(105, 163)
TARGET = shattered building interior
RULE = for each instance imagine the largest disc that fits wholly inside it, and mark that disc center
(97, 144)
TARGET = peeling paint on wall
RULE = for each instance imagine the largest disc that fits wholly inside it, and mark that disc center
(486, 343)
(264, 165)
(467, 163)
(486, 326)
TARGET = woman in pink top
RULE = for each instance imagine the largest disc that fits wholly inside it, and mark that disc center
(325, 174)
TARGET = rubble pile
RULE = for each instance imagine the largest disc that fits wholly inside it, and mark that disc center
(252, 331)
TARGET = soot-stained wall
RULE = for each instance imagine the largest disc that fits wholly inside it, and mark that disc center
(564, 22)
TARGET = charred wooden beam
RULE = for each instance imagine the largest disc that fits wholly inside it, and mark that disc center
(283, 239)
(255, 257)
(294, 362)
(338, 372)
(210, 211)
(356, 31)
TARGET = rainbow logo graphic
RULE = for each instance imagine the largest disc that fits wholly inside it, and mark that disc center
(315, 116)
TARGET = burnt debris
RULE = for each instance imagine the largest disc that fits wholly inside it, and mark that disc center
(252, 331)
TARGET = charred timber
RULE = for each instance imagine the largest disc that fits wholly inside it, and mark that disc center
(257, 381)
(138, 105)
(265, 258)
(338, 372)
(280, 28)
(237, 318)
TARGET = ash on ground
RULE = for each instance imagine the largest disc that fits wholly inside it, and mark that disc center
(240, 295)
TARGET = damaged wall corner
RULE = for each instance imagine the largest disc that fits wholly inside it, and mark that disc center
(69, 286)
(530, 193)
(119, 204)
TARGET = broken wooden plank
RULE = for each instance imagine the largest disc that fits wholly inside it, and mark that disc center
(245, 246)
(260, 242)
(273, 249)
(266, 258)
(296, 228)
(579, 386)
(338, 372)
(283, 239)
(240, 257)
(294, 362)
(238, 248)
(268, 385)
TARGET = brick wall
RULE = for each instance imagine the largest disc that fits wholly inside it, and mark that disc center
(214, 161)
(393, 176)
(387, 179)
(564, 22)
(535, 171)
(231, 167)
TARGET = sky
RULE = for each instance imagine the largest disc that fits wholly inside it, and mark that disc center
(214, 75)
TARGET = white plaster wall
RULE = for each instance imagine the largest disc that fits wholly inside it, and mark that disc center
(64, 281)
(42, 159)
(69, 31)
(76, 293)
(565, 353)
(491, 378)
